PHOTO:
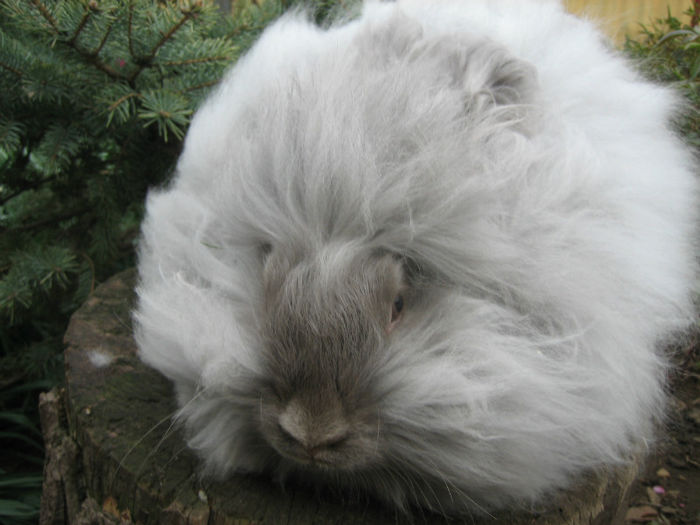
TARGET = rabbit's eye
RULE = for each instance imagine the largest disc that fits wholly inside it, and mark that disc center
(264, 249)
(396, 309)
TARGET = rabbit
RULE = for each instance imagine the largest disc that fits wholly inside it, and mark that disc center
(434, 254)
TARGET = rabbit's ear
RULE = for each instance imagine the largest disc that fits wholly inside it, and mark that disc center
(486, 69)
(483, 70)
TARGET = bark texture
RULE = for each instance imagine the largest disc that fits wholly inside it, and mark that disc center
(113, 456)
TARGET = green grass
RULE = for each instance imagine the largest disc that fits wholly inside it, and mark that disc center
(22, 454)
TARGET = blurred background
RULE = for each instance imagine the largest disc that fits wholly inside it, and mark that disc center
(623, 17)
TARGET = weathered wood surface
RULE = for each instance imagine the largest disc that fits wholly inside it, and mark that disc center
(130, 465)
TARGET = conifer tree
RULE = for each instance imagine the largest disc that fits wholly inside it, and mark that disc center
(95, 98)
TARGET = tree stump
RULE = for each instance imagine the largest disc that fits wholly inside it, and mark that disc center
(113, 455)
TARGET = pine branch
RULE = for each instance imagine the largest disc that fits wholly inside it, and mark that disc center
(81, 26)
(11, 69)
(57, 148)
(26, 187)
(148, 59)
(92, 56)
(48, 220)
(130, 40)
(191, 61)
(102, 66)
(166, 109)
(46, 14)
(11, 135)
(123, 99)
(97, 51)
(201, 86)
(167, 36)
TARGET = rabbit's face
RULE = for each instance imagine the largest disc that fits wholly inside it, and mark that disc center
(327, 318)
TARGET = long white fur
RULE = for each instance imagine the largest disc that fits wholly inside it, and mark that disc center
(562, 231)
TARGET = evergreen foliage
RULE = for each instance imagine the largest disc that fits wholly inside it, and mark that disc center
(95, 98)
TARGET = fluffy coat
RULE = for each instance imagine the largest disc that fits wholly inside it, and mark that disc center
(540, 208)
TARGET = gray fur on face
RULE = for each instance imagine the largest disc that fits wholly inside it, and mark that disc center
(325, 318)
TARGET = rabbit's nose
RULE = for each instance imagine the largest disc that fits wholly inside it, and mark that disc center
(316, 432)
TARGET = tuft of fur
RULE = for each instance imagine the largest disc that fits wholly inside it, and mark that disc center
(525, 178)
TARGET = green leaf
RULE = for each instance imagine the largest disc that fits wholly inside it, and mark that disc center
(17, 509)
(677, 33)
(31, 386)
(15, 436)
(695, 69)
(20, 481)
(19, 419)
(30, 460)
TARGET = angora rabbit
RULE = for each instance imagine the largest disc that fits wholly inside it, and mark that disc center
(433, 253)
